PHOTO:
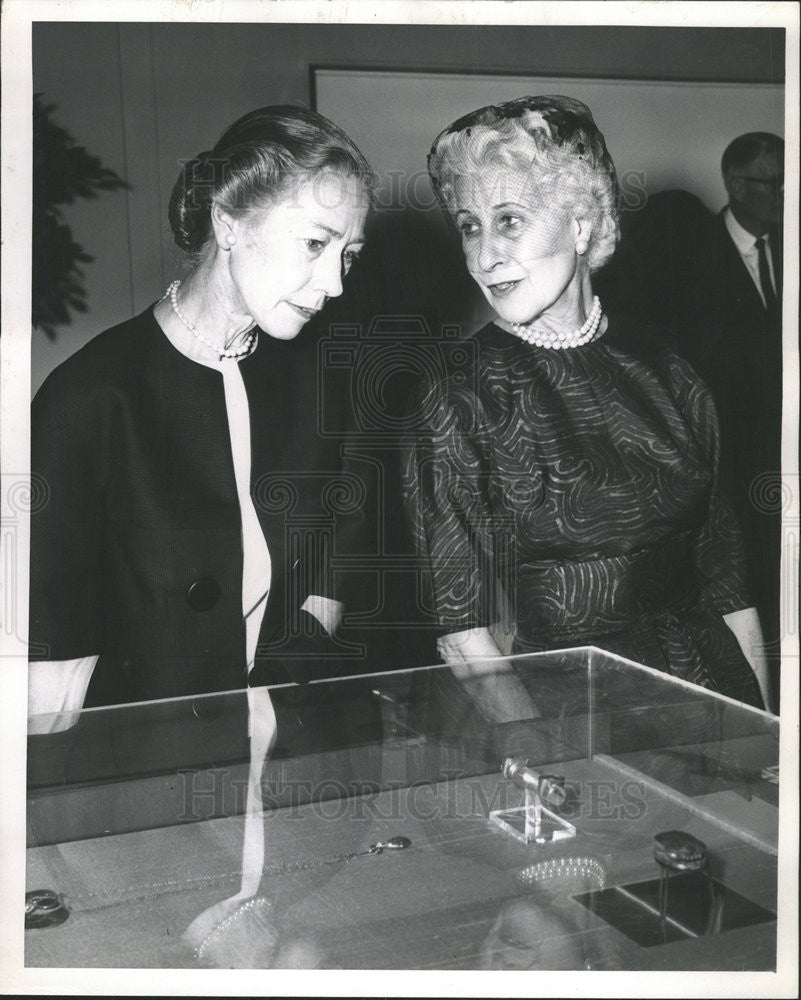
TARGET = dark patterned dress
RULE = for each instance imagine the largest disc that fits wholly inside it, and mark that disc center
(582, 486)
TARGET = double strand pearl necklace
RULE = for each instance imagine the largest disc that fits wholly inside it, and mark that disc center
(559, 341)
(233, 352)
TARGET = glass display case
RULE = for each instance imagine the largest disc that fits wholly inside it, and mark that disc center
(564, 810)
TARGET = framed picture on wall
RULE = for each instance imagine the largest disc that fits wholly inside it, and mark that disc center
(661, 133)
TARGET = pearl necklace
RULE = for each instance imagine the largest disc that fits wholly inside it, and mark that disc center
(560, 341)
(234, 352)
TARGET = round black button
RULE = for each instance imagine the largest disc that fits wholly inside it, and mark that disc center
(203, 594)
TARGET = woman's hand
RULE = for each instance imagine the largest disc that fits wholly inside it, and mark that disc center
(326, 610)
(465, 651)
(308, 653)
(748, 633)
(486, 675)
(56, 691)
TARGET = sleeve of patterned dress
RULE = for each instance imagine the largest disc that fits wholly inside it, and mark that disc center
(445, 484)
(719, 554)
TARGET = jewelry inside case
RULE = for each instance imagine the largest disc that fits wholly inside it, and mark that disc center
(533, 823)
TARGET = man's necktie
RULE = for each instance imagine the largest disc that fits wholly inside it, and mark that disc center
(771, 303)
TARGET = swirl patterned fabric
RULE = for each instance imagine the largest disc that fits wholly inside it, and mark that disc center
(581, 485)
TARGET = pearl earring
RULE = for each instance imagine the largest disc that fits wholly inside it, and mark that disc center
(581, 247)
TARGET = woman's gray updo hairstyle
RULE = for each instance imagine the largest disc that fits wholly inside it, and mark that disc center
(253, 163)
(553, 139)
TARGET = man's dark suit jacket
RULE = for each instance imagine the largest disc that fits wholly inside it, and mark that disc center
(678, 270)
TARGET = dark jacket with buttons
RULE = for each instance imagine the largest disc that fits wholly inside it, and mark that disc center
(136, 549)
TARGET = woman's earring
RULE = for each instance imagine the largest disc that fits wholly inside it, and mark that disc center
(581, 247)
(230, 239)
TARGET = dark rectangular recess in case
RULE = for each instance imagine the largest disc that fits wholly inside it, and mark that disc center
(634, 909)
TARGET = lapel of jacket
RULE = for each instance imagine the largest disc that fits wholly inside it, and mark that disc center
(739, 285)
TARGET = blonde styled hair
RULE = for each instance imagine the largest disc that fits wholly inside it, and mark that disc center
(552, 140)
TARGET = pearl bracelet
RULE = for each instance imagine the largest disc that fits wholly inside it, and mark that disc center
(582, 867)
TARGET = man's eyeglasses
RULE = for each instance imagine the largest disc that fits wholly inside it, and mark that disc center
(777, 184)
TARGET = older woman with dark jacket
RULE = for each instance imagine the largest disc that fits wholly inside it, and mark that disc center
(174, 447)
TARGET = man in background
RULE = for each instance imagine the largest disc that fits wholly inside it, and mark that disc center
(711, 284)
(741, 356)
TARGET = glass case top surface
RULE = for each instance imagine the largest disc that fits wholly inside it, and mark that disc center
(511, 800)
